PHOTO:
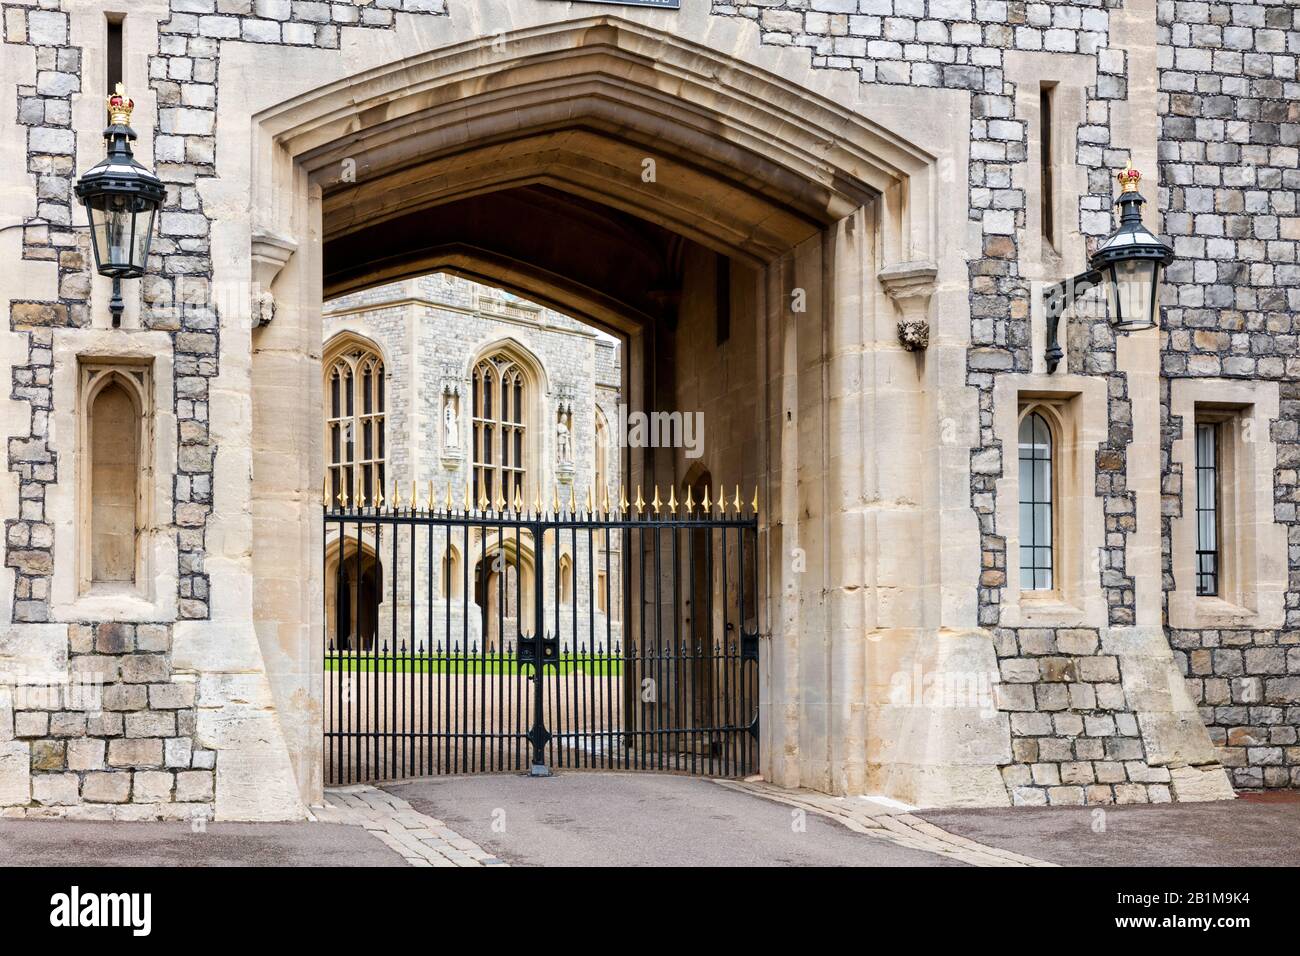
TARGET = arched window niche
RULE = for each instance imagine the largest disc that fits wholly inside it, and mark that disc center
(116, 475)
(601, 464)
(452, 575)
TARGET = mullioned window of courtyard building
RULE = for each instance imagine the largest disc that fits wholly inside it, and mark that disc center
(355, 439)
(1037, 483)
(500, 407)
(116, 440)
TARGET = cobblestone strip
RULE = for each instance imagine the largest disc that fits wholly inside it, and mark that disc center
(419, 839)
(877, 820)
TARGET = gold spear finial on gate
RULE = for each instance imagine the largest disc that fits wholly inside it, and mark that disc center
(343, 495)
(705, 503)
(672, 499)
(622, 500)
(446, 501)
(555, 501)
(396, 503)
(415, 497)
(325, 493)
(735, 502)
(483, 499)
(379, 501)
(519, 500)
(655, 502)
(428, 499)
(573, 501)
(640, 502)
(358, 499)
(604, 507)
(537, 501)
(591, 505)
(690, 501)
(754, 504)
(469, 491)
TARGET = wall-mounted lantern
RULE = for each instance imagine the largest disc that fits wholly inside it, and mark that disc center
(1130, 261)
(122, 199)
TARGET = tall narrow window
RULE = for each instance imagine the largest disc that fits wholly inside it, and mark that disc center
(500, 397)
(1036, 504)
(354, 421)
(1046, 162)
(1207, 508)
(113, 52)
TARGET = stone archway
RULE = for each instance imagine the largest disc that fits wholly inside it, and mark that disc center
(781, 169)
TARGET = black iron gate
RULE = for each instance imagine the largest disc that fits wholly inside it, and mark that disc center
(477, 640)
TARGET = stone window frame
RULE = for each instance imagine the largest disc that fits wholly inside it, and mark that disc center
(500, 475)
(1253, 547)
(536, 393)
(1049, 413)
(356, 350)
(153, 597)
(1077, 413)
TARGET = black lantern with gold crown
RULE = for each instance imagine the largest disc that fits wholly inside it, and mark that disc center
(122, 199)
(1130, 262)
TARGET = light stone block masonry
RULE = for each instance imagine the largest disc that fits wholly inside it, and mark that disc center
(890, 153)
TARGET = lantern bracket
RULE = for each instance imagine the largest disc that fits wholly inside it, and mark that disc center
(1058, 298)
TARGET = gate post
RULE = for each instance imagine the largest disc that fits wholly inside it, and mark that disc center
(538, 735)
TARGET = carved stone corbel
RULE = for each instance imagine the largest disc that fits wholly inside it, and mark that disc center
(269, 253)
(911, 285)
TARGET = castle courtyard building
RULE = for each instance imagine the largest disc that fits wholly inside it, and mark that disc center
(801, 342)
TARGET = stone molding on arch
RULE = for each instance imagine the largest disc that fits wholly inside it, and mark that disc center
(817, 159)
(834, 187)
(347, 338)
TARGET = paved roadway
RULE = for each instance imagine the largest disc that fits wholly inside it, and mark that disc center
(77, 843)
(628, 819)
(1249, 831)
(621, 819)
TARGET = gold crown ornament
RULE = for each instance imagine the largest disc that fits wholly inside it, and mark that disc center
(119, 108)
(1128, 179)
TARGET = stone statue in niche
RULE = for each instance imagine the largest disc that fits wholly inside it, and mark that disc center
(563, 442)
(450, 425)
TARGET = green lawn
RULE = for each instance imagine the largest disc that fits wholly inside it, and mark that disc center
(598, 665)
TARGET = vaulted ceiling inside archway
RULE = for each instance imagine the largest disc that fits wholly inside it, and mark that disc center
(572, 253)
